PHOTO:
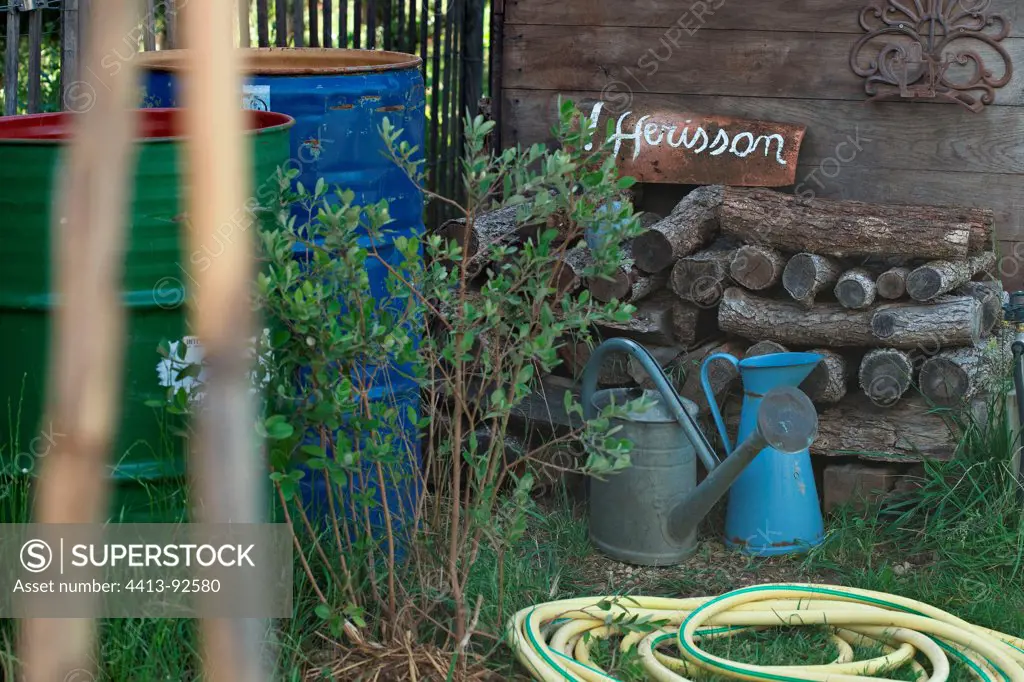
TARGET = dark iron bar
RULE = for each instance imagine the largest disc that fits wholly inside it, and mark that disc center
(497, 43)
(371, 24)
(281, 22)
(473, 56)
(328, 40)
(454, 170)
(12, 57)
(343, 23)
(170, 25)
(357, 24)
(424, 28)
(35, 61)
(400, 28)
(411, 47)
(446, 98)
(314, 25)
(298, 23)
(435, 101)
(263, 23)
(148, 27)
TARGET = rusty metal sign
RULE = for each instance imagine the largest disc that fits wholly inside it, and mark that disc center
(700, 149)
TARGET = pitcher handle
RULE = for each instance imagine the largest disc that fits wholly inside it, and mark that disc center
(710, 395)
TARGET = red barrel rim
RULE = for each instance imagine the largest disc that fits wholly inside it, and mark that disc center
(294, 61)
(158, 125)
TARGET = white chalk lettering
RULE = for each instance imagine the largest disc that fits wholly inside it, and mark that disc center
(619, 137)
(768, 145)
(704, 145)
(654, 133)
(722, 140)
(649, 132)
(749, 137)
(674, 144)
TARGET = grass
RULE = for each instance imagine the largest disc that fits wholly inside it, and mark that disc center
(956, 542)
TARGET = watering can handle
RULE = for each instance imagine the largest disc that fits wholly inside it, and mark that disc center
(710, 395)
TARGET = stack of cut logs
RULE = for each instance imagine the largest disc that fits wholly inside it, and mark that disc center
(898, 300)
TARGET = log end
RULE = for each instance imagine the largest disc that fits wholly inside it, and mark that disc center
(564, 280)
(765, 348)
(699, 282)
(608, 290)
(853, 295)
(885, 375)
(944, 382)
(924, 284)
(884, 391)
(884, 324)
(652, 252)
(798, 277)
(754, 268)
(827, 381)
(890, 287)
(462, 234)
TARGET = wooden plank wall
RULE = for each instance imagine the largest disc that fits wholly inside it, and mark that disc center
(782, 60)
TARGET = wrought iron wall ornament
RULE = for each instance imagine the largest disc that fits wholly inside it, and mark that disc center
(932, 49)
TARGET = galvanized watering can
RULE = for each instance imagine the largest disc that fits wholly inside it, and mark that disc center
(773, 505)
(648, 514)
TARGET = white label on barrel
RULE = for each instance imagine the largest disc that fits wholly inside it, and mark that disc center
(171, 370)
(256, 97)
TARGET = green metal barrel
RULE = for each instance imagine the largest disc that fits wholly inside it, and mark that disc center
(148, 460)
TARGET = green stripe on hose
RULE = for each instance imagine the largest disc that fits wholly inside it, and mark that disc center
(540, 649)
(966, 661)
(696, 653)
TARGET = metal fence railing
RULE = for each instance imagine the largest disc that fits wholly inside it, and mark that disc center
(42, 41)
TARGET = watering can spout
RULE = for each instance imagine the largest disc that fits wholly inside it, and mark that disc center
(786, 421)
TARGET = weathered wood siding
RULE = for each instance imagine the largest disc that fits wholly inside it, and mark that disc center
(782, 60)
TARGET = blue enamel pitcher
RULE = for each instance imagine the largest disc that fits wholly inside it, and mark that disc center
(773, 505)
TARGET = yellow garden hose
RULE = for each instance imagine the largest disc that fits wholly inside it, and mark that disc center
(553, 640)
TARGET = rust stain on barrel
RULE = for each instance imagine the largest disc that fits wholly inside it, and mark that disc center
(701, 149)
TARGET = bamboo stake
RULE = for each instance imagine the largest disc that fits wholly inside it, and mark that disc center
(226, 448)
(88, 328)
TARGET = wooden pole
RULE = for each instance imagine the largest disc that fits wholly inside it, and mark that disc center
(88, 237)
(221, 314)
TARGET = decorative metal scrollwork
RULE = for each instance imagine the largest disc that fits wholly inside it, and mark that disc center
(932, 49)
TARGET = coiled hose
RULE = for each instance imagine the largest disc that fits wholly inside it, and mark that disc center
(551, 639)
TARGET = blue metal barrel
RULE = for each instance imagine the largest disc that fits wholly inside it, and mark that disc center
(339, 100)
